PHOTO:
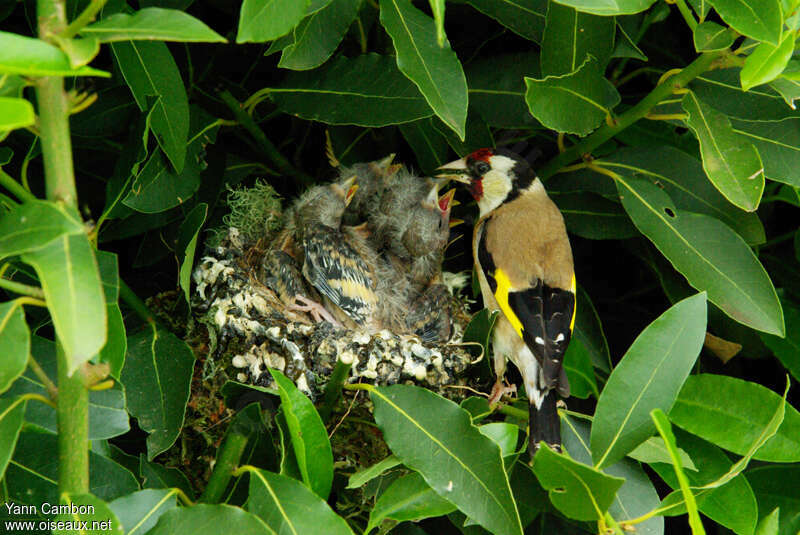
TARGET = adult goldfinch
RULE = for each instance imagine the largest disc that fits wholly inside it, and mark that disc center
(524, 264)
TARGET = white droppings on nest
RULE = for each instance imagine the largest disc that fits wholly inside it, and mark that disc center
(361, 338)
(347, 357)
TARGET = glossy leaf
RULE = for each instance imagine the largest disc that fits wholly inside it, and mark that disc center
(787, 349)
(722, 89)
(731, 163)
(503, 434)
(139, 512)
(15, 113)
(778, 142)
(187, 242)
(788, 88)
(368, 474)
(261, 20)
(649, 376)
(497, 88)
(710, 36)
(682, 177)
(364, 91)
(570, 36)
(98, 514)
(68, 273)
(635, 497)
(429, 146)
(15, 343)
(574, 103)
(33, 57)
(435, 70)
(35, 224)
(287, 506)
(152, 23)
(580, 372)
(769, 525)
(654, 450)
(210, 520)
(157, 476)
(774, 486)
(708, 253)
(318, 35)
(767, 62)
(157, 375)
(437, 8)
(759, 19)
(523, 17)
(408, 498)
(150, 71)
(12, 414)
(577, 490)
(113, 352)
(736, 416)
(594, 217)
(609, 7)
(435, 437)
(309, 437)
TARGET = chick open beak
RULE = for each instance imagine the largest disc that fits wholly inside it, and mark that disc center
(446, 200)
(349, 186)
(456, 170)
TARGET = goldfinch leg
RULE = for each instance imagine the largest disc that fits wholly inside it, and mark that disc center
(317, 311)
(499, 389)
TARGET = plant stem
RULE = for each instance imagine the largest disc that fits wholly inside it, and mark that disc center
(136, 304)
(333, 390)
(687, 14)
(228, 457)
(73, 397)
(623, 121)
(508, 410)
(263, 141)
(15, 188)
(22, 289)
(86, 17)
(37, 370)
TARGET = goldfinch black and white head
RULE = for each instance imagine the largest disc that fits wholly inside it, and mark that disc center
(494, 176)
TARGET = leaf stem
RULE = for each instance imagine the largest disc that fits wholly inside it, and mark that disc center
(86, 17)
(228, 457)
(15, 187)
(37, 370)
(686, 13)
(22, 289)
(700, 65)
(508, 410)
(136, 304)
(333, 390)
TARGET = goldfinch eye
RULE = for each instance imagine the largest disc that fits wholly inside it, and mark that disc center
(482, 168)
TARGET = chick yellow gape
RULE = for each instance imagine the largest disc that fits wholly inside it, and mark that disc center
(524, 264)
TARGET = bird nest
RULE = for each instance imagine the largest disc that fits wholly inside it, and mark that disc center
(252, 329)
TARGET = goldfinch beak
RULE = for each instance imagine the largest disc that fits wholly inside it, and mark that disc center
(456, 170)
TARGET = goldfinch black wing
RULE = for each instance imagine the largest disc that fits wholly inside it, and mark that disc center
(337, 271)
(543, 316)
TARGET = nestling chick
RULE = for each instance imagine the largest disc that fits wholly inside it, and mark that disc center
(425, 237)
(429, 315)
(524, 264)
(372, 180)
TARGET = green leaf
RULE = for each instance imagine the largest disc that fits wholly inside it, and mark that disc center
(682, 177)
(736, 416)
(429, 146)
(574, 103)
(435, 70)
(368, 474)
(209, 520)
(152, 23)
(113, 352)
(33, 57)
(15, 113)
(609, 7)
(138, 512)
(775, 486)
(594, 217)
(365, 91)
(571, 36)
(589, 331)
(577, 490)
(437, 8)
(523, 17)
(68, 273)
(157, 476)
(767, 62)
(408, 498)
(788, 88)
(710, 36)
(649, 376)
(503, 434)
(32, 476)
(287, 506)
(12, 416)
(35, 224)
(625, 46)
(157, 375)
(497, 88)
(187, 242)
(261, 20)
(636, 497)
(722, 89)
(318, 35)
(435, 437)
(731, 163)
(580, 371)
(769, 524)
(654, 450)
(708, 253)
(150, 71)
(98, 515)
(759, 19)
(787, 348)
(701, 7)
(15, 343)
(665, 429)
(309, 437)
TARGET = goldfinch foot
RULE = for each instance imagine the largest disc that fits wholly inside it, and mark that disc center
(317, 311)
(499, 390)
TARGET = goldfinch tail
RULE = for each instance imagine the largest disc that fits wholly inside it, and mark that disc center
(544, 424)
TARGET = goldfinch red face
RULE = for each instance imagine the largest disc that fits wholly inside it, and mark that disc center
(491, 174)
